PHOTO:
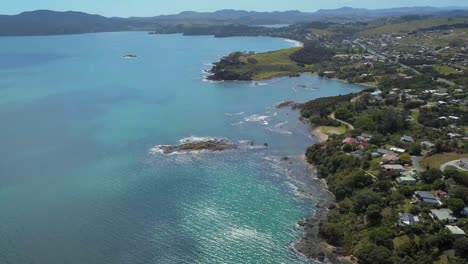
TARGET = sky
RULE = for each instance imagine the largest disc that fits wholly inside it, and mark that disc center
(127, 8)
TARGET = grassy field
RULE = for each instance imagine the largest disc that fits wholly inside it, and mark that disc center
(445, 70)
(435, 161)
(442, 260)
(409, 26)
(272, 64)
(329, 130)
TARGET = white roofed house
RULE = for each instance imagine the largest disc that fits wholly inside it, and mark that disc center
(443, 215)
(454, 135)
(398, 150)
(404, 180)
(393, 169)
(455, 231)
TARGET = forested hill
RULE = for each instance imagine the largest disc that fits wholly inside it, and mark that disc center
(45, 22)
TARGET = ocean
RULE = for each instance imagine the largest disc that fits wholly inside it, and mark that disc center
(80, 184)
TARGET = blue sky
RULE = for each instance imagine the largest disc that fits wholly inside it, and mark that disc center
(127, 8)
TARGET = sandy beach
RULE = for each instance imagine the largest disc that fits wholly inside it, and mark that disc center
(319, 134)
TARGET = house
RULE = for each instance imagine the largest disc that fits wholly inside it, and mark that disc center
(403, 180)
(375, 155)
(454, 135)
(389, 158)
(410, 173)
(398, 150)
(358, 154)
(455, 231)
(393, 169)
(442, 104)
(454, 117)
(443, 215)
(465, 211)
(440, 194)
(426, 197)
(384, 151)
(407, 139)
(408, 219)
(350, 140)
(427, 144)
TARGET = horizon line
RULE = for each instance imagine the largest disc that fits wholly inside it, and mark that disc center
(233, 9)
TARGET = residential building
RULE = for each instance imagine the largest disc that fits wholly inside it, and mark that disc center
(443, 215)
(402, 180)
(391, 169)
(407, 139)
(455, 231)
(408, 219)
(426, 197)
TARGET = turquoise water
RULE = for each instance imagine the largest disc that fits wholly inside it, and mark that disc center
(79, 184)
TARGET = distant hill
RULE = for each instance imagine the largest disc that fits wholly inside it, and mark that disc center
(45, 22)
(229, 16)
(349, 14)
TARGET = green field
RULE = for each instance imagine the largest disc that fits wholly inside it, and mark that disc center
(329, 130)
(435, 161)
(445, 70)
(272, 64)
(409, 26)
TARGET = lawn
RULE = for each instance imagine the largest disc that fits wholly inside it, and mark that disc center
(442, 260)
(435, 161)
(445, 70)
(329, 130)
(272, 64)
(415, 114)
(409, 26)
(398, 241)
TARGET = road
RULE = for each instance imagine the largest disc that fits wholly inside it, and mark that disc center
(351, 127)
(381, 56)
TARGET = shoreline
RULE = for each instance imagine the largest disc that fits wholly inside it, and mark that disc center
(317, 132)
(310, 244)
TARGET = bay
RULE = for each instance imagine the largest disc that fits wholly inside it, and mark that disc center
(78, 180)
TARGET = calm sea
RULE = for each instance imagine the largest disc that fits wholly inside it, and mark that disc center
(79, 184)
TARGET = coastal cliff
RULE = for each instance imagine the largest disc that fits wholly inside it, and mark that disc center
(287, 62)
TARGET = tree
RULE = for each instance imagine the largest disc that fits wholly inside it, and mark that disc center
(365, 122)
(406, 158)
(343, 113)
(373, 254)
(431, 175)
(460, 192)
(415, 149)
(365, 198)
(461, 247)
(456, 205)
(373, 214)
(439, 184)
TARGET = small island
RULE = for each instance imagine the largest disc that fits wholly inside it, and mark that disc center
(196, 145)
(130, 56)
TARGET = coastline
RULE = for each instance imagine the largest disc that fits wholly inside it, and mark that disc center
(310, 244)
(317, 132)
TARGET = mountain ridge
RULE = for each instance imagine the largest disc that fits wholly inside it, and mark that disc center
(48, 22)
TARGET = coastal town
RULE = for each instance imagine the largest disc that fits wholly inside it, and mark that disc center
(395, 155)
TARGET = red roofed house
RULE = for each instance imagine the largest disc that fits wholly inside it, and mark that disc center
(440, 194)
(350, 140)
(389, 158)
